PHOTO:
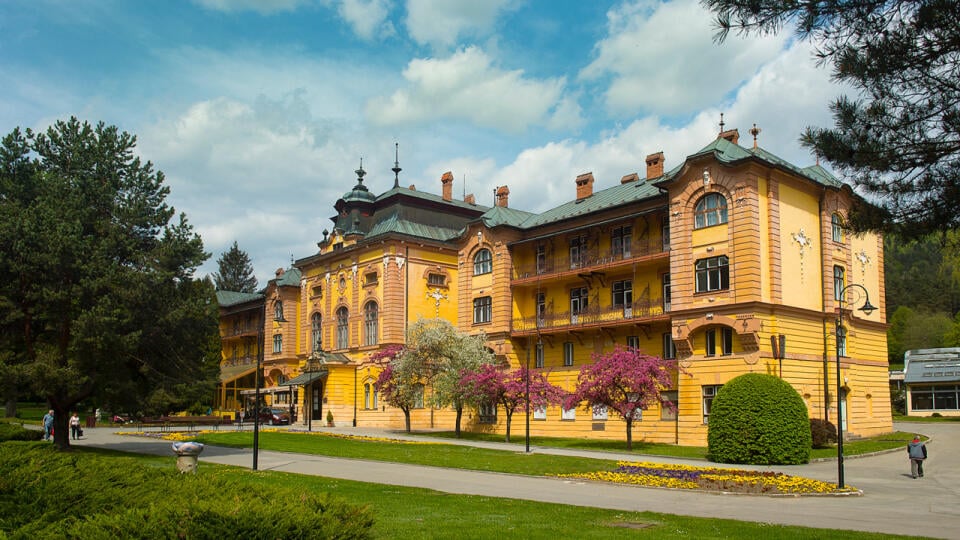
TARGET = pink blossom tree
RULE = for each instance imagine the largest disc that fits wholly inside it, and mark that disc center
(508, 389)
(625, 381)
(399, 386)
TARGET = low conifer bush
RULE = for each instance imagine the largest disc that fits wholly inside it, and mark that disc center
(758, 419)
(822, 433)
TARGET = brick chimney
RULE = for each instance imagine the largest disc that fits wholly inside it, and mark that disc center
(469, 199)
(632, 177)
(584, 185)
(731, 135)
(655, 165)
(503, 192)
(447, 181)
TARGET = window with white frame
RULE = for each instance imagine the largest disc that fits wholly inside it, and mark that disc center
(841, 341)
(726, 341)
(633, 342)
(316, 332)
(669, 348)
(540, 413)
(436, 280)
(665, 282)
(620, 240)
(541, 309)
(568, 353)
(578, 300)
(836, 223)
(367, 396)
(568, 414)
(488, 413)
(578, 251)
(482, 309)
(710, 210)
(665, 232)
(709, 392)
(669, 404)
(538, 361)
(541, 258)
(371, 324)
(623, 295)
(710, 342)
(277, 343)
(839, 279)
(713, 274)
(482, 262)
(278, 311)
(343, 328)
(599, 412)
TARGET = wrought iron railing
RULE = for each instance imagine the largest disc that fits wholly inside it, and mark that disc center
(550, 321)
(588, 258)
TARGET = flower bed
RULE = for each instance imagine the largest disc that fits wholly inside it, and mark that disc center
(710, 479)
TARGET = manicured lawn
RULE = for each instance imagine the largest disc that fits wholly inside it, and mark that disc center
(899, 418)
(414, 513)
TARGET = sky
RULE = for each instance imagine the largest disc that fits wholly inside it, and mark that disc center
(258, 112)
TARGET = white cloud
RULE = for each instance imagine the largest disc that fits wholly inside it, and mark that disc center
(661, 58)
(444, 22)
(264, 7)
(467, 86)
(367, 18)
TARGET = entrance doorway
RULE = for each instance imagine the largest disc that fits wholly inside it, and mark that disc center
(316, 400)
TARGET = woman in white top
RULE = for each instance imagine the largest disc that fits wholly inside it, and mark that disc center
(75, 426)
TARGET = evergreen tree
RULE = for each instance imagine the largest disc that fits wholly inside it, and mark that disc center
(235, 271)
(899, 138)
(96, 279)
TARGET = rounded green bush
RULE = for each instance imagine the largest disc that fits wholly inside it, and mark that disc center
(758, 419)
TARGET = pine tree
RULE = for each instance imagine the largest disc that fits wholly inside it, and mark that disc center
(899, 138)
(235, 271)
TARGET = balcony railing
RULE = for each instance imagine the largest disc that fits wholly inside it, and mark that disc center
(239, 361)
(588, 258)
(551, 321)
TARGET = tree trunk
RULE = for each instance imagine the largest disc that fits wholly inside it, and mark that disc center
(61, 430)
(630, 432)
(11, 407)
(509, 419)
(459, 416)
(406, 417)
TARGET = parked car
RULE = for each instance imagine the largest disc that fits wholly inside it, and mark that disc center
(273, 416)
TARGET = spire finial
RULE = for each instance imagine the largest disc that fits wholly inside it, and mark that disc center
(396, 165)
(360, 172)
(755, 131)
(721, 123)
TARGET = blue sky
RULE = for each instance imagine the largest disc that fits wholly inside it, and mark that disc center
(259, 111)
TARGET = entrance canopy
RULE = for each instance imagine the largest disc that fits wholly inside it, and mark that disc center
(306, 378)
(231, 373)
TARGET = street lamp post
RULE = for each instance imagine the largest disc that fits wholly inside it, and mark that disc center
(261, 337)
(867, 309)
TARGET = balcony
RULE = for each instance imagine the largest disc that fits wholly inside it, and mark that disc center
(640, 312)
(238, 361)
(590, 259)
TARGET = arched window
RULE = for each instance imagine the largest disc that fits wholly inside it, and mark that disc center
(371, 328)
(482, 262)
(278, 311)
(836, 223)
(369, 396)
(711, 210)
(316, 333)
(343, 327)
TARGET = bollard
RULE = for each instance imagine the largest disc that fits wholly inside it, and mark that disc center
(187, 455)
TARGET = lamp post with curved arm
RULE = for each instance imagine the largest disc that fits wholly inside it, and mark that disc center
(867, 309)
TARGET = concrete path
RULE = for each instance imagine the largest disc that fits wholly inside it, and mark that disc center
(893, 502)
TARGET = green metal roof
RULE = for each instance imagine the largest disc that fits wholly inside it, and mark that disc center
(232, 298)
(395, 224)
(622, 194)
(499, 215)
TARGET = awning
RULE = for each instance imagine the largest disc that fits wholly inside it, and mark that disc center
(265, 391)
(231, 373)
(306, 378)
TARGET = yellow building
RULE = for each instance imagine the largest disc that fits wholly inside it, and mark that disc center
(721, 263)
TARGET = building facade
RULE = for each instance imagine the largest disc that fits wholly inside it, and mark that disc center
(733, 262)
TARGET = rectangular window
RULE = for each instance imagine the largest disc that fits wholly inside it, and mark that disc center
(568, 353)
(541, 258)
(599, 412)
(277, 343)
(709, 392)
(437, 280)
(488, 413)
(665, 232)
(620, 240)
(841, 341)
(539, 356)
(668, 398)
(665, 280)
(726, 341)
(578, 251)
(482, 309)
(370, 278)
(418, 396)
(541, 309)
(633, 342)
(578, 301)
(540, 413)
(623, 294)
(940, 398)
(839, 279)
(713, 274)
(669, 349)
(710, 347)
(568, 414)
(837, 228)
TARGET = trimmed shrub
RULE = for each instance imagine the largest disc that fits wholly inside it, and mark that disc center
(758, 419)
(83, 495)
(822, 433)
(16, 432)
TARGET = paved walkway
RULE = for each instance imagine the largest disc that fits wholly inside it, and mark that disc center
(893, 502)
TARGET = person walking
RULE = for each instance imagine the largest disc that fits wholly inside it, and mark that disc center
(75, 426)
(917, 452)
(48, 425)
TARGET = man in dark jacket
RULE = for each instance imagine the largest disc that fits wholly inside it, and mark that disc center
(917, 452)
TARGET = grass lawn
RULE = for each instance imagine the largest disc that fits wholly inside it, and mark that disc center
(899, 418)
(414, 513)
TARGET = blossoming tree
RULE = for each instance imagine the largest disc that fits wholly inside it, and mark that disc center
(625, 381)
(399, 386)
(508, 389)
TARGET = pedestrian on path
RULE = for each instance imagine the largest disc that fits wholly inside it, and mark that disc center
(917, 452)
(75, 426)
(48, 425)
